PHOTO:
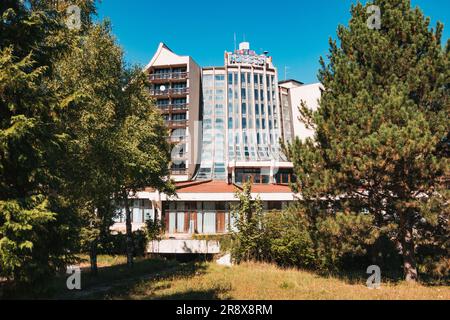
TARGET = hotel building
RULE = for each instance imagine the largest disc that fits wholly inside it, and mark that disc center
(227, 122)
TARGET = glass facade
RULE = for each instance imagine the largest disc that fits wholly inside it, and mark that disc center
(241, 117)
(253, 115)
(205, 217)
(213, 159)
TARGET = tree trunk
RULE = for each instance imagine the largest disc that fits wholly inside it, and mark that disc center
(129, 230)
(407, 241)
(93, 258)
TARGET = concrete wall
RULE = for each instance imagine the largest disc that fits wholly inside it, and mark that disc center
(310, 94)
(184, 246)
(194, 115)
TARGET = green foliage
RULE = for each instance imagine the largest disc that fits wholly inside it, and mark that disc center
(287, 238)
(38, 225)
(154, 229)
(246, 232)
(381, 131)
(78, 133)
(294, 238)
(116, 244)
(343, 236)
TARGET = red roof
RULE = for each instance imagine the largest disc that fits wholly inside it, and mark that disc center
(223, 187)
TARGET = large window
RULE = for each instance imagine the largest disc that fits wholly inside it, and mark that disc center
(284, 176)
(141, 211)
(255, 175)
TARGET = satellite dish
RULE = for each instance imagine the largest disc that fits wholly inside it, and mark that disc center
(162, 88)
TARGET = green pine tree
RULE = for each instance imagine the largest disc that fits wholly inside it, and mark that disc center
(37, 224)
(381, 131)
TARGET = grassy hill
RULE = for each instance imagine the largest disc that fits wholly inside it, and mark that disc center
(168, 279)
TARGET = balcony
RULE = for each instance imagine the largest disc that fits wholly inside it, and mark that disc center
(179, 156)
(178, 139)
(173, 124)
(173, 107)
(179, 172)
(173, 76)
(169, 92)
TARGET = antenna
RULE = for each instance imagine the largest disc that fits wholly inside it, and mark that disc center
(235, 42)
(244, 37)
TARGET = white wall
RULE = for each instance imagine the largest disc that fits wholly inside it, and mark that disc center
(309, 94)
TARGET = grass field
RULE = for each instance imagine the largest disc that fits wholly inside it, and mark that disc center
(168, 279)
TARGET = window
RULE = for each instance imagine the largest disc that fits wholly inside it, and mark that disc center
(180, 85)
(244, 123)
(162, 102)
(179, 101)
(209, 222)
(178, 134)
(244, 108)
(141, 210)
(179, 116)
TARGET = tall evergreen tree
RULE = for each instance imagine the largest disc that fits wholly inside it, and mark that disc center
(37, 225)
(381, 131)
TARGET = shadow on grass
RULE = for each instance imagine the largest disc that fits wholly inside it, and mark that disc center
(393, 277)
(210, 294)
(119, 282)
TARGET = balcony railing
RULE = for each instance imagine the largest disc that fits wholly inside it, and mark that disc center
(178, 139)
(178, 171)
(167, 92)
(173, 107)
(179, 156)
(169, 76)
(176, 123)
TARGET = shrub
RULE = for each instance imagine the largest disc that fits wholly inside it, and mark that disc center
(287, 239)
(247, 231)
(340, 237)
(115, 244)
(154, 229)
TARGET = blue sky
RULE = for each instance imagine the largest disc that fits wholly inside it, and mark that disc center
(295, 32)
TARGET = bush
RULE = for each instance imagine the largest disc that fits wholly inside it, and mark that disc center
(287, 239)
(154, 229)
(116, 244)
(291, 238)
(247, 231)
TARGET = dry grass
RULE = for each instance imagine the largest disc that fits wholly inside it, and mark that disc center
(103, 260)
(266, 282)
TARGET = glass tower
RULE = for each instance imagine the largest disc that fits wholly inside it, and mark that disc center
(241, 115)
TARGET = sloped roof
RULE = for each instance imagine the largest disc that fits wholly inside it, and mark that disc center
(223, 187)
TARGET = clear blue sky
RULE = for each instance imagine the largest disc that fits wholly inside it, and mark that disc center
(295, 32)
